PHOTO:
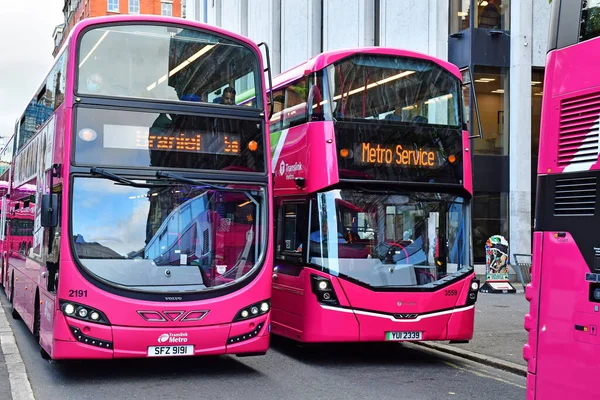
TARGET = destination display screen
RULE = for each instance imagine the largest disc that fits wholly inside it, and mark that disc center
(372, 151)
(190, 141)
(396, 154)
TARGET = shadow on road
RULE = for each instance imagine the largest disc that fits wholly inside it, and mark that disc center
(353, 354)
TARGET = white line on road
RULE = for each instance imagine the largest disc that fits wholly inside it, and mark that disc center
(20, 388)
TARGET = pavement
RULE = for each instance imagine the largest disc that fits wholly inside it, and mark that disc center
(499, 334)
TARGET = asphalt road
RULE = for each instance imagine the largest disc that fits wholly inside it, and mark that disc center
(379, 371)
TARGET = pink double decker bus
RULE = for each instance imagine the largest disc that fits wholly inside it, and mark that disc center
(151, 210)
(563, 344)
(372, 188)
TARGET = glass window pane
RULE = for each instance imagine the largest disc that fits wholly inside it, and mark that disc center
(491, 86)
(460, 15)
(163, 63)
(221, 244)
(167, 9)
(113, 5)
(134, 6)
(490, 217)
(590, 17)
(394, 89)
(493, 14)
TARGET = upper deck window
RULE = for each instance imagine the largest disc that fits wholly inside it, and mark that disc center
(590, 20)
(165, 63)
(393, 89)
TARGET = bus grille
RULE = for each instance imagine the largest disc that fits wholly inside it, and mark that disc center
(205, 241)
(579, 130)
(575, 196)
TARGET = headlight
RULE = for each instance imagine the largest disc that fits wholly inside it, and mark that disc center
(69, 309)
(83, 312)
(253, 310)
(474, 286)
(323, 289)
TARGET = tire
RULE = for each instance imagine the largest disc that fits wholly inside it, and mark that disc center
(13, 311)
(36, 318)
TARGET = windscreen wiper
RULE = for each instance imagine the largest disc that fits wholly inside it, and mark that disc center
(118, 179)
(183, 179)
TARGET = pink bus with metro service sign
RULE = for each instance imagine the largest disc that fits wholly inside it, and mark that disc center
(372, 189)
(151, 204)
(563, 344)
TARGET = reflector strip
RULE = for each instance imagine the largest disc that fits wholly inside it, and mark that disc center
(392, 318)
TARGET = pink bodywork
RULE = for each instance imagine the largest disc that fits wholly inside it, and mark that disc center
(567, 132)
(363, 314)
(563, 344)
(130, 334)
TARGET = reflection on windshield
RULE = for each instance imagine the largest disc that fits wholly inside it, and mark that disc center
(171, 237)
(389, 239)
(166, 63)
(393, 89)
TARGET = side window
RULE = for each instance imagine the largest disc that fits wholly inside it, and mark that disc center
(294, 112)
(291, 231)
(278, 103)
(590, 12)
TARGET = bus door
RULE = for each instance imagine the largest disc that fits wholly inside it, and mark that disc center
(289, 266)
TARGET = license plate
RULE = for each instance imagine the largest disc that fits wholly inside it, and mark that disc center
(167, 351)
(404, 335)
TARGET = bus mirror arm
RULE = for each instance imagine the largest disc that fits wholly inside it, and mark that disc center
(49, 215)
(474, 97)
(467, 81)
(268, 70)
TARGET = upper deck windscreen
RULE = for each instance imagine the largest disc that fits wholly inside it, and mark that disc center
(393, 89)
(396, 119)
(165, 63)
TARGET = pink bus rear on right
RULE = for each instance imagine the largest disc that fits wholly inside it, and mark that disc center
(564, 344)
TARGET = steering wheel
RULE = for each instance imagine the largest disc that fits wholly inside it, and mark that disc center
(401, 247)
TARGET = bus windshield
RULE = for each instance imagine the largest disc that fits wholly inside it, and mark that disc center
(167, 237)
(389, 239)
(166, 63)
(393, 89)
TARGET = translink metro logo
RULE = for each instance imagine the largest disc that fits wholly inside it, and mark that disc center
(173, 338)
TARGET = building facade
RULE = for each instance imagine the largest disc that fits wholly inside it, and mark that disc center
(503, 42)
(76, 10)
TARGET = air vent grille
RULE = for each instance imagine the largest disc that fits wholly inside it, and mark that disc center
(575, 196)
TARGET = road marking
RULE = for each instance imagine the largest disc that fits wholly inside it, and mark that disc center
(20, 388)
(482, 375)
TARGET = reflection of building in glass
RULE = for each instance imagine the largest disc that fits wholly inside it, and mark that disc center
(77, 10)
(35, 115)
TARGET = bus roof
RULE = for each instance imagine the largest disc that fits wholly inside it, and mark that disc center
(159, 19)
(322, 60)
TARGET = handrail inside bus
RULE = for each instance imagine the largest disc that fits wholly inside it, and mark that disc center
(268, 69)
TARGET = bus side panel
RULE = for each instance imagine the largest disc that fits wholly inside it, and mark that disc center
(566, 316)
(46, 320)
